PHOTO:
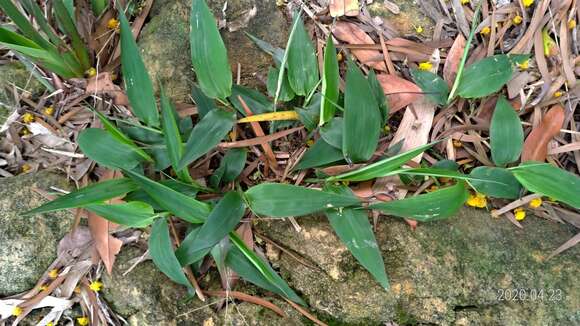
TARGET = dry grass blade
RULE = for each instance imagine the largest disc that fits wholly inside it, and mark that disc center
(306, 313)
(264, 140)
(260, 133)
(567, 245)
(248, 298)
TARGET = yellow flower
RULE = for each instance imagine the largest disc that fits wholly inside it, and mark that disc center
(464, 2)
(27, 117)
(477, 200)
(309, 142)
(50, 324)
(457, 143)
(528, 3)
(536, 202)
(571, 23)
(426, 66)
(25, 131)
(524, 65)
(339, 56)
(16, 311)
(43, 287)
(49, 110)
(83, 321)
(558, 93)
(485, 31)
(91, 72)
(386, 129)
(520, 214)
(26, 167)
(517, 20)
(53, 273)
(96, 286)
(419, 29)
(112, 23)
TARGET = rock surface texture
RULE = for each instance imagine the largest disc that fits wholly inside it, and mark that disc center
(28, 243)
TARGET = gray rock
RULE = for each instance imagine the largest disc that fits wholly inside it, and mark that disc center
(165, 41)
(445, 273)
(28, 243)
(15, 74)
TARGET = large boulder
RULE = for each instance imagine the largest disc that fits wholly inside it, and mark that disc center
(166, 49)
(462, 271)
(28, 243)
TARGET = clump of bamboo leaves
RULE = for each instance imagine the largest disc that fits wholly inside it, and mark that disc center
(349, 125)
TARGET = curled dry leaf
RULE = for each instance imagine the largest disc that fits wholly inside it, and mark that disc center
(536, 144)
(102, 83)
(399, 91)
(453, 58)
(343, 8)
(352, 34)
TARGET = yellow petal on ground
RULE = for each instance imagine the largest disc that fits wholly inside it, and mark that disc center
(271, 116)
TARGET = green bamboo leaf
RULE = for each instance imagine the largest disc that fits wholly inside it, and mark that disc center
(133, 214)
(506, 133)
(137, 82)
(182, 206)
(256, 101)
(444, 173)
(362, 118)
(548, 180)
(254, 269)
(187, 189)
(32, 7)
(302, 63)
(101, 147)
(434, 86)
(436, 205)
(161, 251)
(69, 27)
(485, 77)
(507, 185)
(98, 6)
(330, 81)
(172, 136)
(309, 114)
(92, 194)
(382, 167)
(332, 132)
(379, 94)
(286, 92)
(204, 103)
(223, 218)
(24, 25)
(230, 167)
(120, 136)
(354, 230)
(208, 53)
(282, 200)
(276, 52)
(320, 154)
(206, 134)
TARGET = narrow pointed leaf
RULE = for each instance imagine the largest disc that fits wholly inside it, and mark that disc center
(137, 82)
(24, 25)
(362, 118)
(506, 133)
(206, 134)
(436, 205)
(332, 132)
(379, 95)
(134, 214)
(161, 251)
(286, 92)
(223, 218)
(254, 269)
(302, 63)
(354, 230)
(204, 103)
(548, 180)
(276, 52)
(507, 185)
(282, 200)
(208, 53)
(485, 77)
(435, 87)
(382, 167)
(101, 147)
(230, 167)
(256, 101)
(68, 26)
(320, 154)
(183, 206)
(330, 82)
(91, 194)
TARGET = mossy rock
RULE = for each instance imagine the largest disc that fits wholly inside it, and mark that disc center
(28, 243)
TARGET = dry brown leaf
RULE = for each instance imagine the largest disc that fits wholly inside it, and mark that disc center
(248, 298)
(453, 58)
(567, 245)
(399, 91)
(352, 34)
(536, 144)
(343, 8)
(103, 84)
